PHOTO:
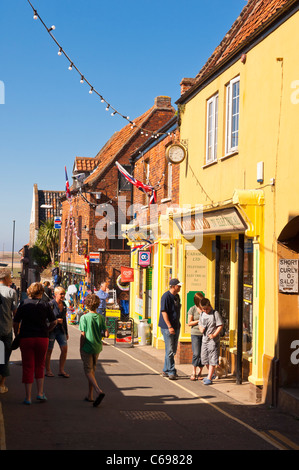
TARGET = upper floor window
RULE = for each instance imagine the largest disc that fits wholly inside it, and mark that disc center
(212, 129)
(232, 115)
(168, 181)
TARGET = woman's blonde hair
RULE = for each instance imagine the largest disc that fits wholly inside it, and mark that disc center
(58, 289)
(36, 289)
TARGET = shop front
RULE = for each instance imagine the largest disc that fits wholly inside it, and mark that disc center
(226, 269)
(72, 273)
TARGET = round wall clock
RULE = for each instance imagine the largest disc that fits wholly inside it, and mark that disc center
(176, 153)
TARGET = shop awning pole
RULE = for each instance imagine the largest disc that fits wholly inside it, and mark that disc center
(217, 273)
(240, 308)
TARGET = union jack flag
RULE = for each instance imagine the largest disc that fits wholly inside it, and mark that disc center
(67, 185)
(145, 188)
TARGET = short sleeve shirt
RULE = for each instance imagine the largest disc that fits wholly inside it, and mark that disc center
(193, 311)
(34, 316)
(210, 321)
(8, 305)
(172, 306)
(92, 324)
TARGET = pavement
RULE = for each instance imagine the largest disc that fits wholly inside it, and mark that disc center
(226, 385)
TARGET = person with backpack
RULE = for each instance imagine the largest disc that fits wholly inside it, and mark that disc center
(8, 308)
(210, 324)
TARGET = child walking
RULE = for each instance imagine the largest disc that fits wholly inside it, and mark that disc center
(210, 324)
(91, 325)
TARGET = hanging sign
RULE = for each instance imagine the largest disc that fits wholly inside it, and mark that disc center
(94, 257)
(288, 276)
(144, 259)
(83, 247)
(127, 274)
(57, 222)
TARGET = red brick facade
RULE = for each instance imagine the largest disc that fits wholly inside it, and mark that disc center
(95, 208)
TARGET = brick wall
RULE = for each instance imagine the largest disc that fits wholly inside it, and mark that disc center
(155, 158)
(105, 180)
(184, 353)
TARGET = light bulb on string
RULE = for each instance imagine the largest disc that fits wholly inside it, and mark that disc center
(71, 65)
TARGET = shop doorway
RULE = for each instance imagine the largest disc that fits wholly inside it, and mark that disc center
(224, 284)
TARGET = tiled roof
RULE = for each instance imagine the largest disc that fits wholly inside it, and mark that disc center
(48, 198)
(118, 142)
(85, 164)
(255, 16)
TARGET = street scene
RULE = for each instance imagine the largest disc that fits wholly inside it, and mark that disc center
(141, 410)
(149, 248)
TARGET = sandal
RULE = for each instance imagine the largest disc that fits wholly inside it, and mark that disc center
(193, 377)
(98, 399)
(41, 397)
(49, 374)
(64, 374)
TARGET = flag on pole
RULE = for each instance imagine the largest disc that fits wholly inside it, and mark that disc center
(145, 188)
(67, 185)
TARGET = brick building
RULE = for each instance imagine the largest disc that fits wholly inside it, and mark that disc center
(152, 231)
(45, 206)
(100, 202)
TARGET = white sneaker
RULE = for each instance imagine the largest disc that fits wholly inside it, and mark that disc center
(3, 389)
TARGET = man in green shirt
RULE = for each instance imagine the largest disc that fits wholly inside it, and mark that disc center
(91, 325)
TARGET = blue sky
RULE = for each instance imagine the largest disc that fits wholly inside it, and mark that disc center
(131, 51)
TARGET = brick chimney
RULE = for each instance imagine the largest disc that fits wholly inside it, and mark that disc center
(186, 83)
(163, 102)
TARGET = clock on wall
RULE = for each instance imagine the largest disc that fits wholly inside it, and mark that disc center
(176, 153)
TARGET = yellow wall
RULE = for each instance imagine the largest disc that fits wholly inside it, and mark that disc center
(268, 130)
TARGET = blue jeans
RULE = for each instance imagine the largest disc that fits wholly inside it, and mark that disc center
(171, 344)
(196, 349)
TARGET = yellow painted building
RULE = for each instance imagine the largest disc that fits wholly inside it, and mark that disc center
(239, 120)
(238, 197)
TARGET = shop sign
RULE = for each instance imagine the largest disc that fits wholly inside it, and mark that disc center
(288, 276)
(94, 257)
(83, 247)
(127, 274)
(222, 221)
(57, 223)
(144, 259)
(69, 268)
(195, 277)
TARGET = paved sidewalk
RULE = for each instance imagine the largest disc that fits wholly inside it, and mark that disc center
(226, 385)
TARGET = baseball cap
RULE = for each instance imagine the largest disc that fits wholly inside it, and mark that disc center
(175, 282)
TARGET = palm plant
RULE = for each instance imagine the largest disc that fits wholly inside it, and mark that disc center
(48, 239)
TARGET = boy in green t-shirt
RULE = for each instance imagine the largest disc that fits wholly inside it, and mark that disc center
(91, 325)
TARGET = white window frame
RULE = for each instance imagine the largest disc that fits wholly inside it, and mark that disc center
(232, 134)
(212, 129)
(169, 181)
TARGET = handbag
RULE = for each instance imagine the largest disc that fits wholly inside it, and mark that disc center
(16, 343)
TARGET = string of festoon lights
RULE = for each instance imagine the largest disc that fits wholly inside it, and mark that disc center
(83, 79)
